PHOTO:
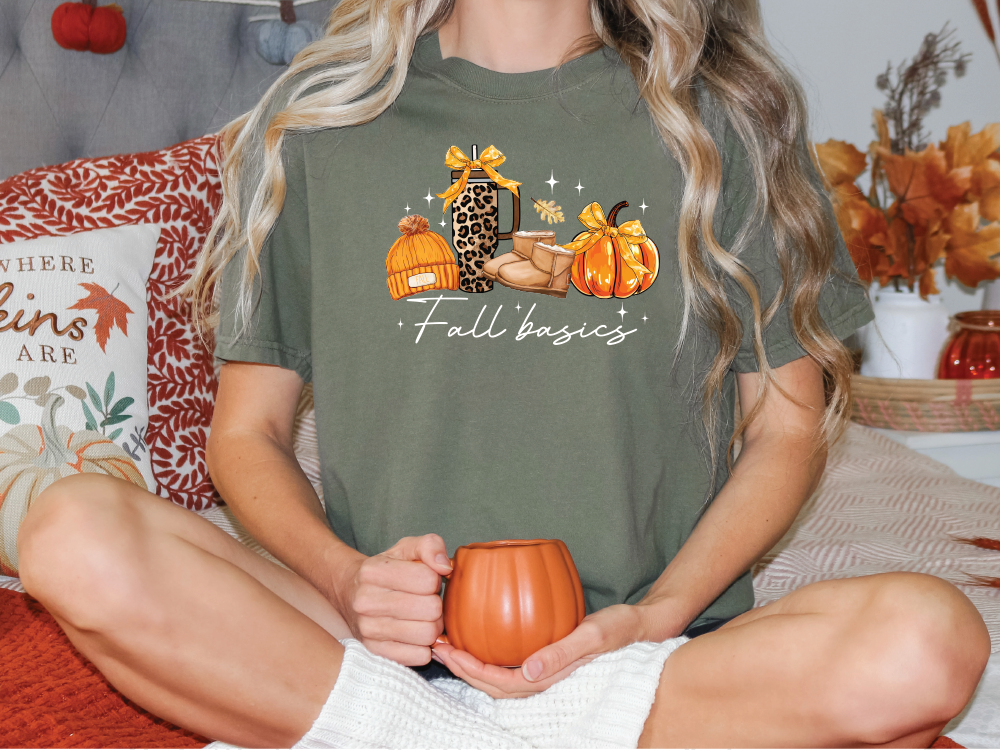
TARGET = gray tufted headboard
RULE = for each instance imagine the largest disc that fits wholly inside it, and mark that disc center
(186, 69)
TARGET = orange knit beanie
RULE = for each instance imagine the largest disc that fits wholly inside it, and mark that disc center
(420, 260)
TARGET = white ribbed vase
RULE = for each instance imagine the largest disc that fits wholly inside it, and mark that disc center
(907, 336)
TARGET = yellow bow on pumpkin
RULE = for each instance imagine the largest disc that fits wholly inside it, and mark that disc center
(592, 217)
(488, 161)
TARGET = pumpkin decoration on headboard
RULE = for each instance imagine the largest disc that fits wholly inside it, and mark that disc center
(84, 26)
(612, 261)
(278, 41)
(34, 456)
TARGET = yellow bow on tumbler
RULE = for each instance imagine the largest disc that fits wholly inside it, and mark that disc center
(592, 217)
(488, 161)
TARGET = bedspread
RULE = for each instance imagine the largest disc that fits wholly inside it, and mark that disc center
(882, 507)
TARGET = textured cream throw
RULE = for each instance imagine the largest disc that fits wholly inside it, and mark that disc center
(378, 703)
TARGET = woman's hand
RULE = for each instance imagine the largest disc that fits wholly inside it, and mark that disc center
(606, 630)
(392, 600)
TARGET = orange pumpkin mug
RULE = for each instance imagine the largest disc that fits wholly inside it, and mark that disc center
(505, 600)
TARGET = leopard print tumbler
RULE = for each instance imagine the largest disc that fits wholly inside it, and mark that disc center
(475, 228)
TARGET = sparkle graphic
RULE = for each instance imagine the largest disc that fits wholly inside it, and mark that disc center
(407, 208)
(552, 181)
(401, 323)
(579, 187)
(623, 312)
(518, 308)
(428, 197)
(643, 206)
(644, 318)
(443, 222)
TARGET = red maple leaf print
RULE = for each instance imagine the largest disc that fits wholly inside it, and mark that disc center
(111, 311)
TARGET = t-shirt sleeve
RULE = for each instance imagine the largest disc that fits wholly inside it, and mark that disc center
(278, 331)
(843, 301)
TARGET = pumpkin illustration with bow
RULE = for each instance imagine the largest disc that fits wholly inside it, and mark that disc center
(612, 260)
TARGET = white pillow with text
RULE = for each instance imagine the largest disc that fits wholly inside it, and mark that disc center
(72, 365)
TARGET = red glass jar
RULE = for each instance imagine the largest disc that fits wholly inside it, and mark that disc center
(973, 353)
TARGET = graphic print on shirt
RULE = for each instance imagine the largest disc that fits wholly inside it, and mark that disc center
(549, 211)
(474, 196)
(420, 260)
(604, 260)
(611, 260)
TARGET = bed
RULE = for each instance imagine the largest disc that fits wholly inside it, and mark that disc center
(187, 68)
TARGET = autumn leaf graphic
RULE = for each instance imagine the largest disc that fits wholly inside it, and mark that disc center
(111, 311)
(549, 211)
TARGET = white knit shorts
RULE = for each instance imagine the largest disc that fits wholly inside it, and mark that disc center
(378, 703)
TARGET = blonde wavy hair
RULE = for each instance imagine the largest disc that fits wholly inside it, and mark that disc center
(356, 71)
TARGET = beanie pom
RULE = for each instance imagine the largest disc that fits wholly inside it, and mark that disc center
(413, 224)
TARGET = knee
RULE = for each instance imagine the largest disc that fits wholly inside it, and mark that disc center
(73, 548)
(914, 650)
(936, 636)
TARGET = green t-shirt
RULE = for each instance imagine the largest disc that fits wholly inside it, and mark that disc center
(507, 414)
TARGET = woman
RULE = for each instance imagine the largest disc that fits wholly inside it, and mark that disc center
(447, 415)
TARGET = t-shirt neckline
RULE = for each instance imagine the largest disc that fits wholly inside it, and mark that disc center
(490, 84)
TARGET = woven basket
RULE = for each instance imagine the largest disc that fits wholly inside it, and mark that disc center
(926, 405)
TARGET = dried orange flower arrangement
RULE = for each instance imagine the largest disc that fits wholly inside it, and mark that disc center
(926, 201)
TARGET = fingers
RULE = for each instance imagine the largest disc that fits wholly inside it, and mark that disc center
(429, 549)
(388, 629)
(402, 653)
(385, 615)
(396, 608)
(375, 601)
(497, 682)
(559, 655)
(494, 681)
(503, 677)
(609, 629)
(394, 574)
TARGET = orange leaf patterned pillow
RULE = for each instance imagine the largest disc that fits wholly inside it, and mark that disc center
(178, 189)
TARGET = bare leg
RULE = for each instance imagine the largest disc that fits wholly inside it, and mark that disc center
(879, 660)
(178, 615)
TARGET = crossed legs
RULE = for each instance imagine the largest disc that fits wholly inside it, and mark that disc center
(201, 631)
(881, 660)
(179, 616)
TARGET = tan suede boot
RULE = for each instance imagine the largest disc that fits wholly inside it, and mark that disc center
(547, 272)
(522, 251)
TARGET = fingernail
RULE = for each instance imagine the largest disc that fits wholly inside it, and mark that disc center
(443, 560)
(533, 669)
(436, 658)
